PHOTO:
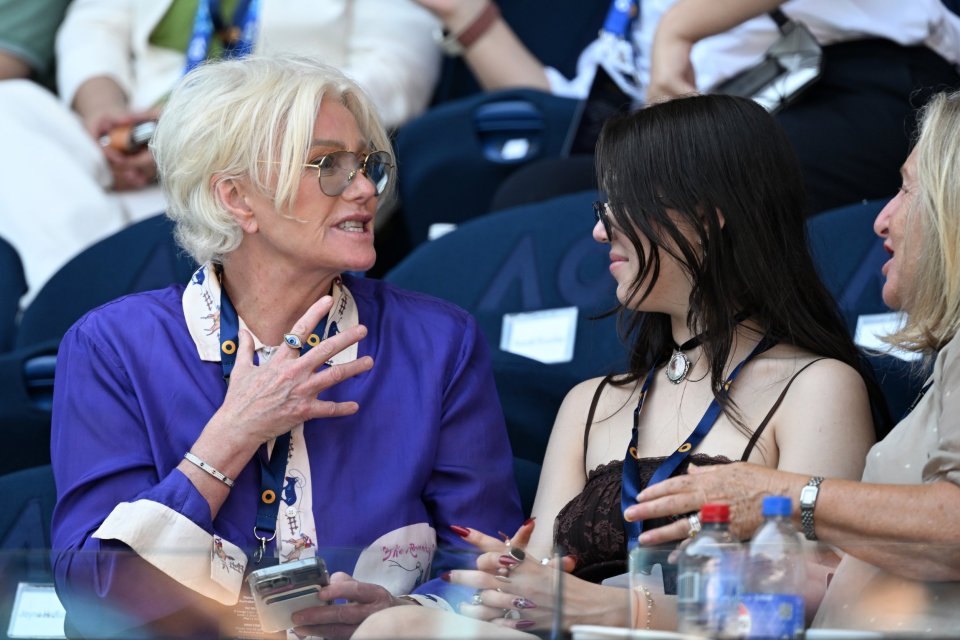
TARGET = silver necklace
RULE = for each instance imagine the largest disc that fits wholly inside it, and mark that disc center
(678, 366)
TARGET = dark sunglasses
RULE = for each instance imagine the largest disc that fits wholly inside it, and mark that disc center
(601, 214)
(335, 171)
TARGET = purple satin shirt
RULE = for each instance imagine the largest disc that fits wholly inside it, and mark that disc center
(428, 445)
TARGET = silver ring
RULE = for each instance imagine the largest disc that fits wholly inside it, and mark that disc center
(545, 561)
(477, 598)
(517, 553)
(293, 341)
(511, 614)
(694, 521)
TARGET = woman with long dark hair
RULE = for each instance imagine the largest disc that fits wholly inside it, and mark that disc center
(737, 353)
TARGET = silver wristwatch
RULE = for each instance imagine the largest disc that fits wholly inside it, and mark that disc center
(808, 501)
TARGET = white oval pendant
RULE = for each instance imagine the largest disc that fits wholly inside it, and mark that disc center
(677, 367)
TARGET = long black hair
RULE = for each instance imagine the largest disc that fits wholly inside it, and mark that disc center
(703, 157)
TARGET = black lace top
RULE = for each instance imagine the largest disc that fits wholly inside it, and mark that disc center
(590, 527)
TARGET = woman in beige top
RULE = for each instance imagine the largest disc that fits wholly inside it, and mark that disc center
(899, 528)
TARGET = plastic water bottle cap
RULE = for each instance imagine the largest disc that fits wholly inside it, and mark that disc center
(715, 512)
(777, 506)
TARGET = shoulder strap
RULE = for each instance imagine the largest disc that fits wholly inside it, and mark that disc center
(593, 409)
(780, 18)
(776, 405)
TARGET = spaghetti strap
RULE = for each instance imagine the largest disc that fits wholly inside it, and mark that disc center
(776, 405)
(593, 409)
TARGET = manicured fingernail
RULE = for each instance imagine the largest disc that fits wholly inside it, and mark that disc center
(505, 537)
(445, 576)
(504, 579)
(508, 561)
(463, 532)
(524, 624)
(528, 521)
(523, 603)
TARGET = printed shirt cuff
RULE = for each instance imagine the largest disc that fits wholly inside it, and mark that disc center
(428, 600)
(170, 541)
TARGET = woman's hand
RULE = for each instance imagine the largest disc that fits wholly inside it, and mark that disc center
(741, 485)
(131, 169)
(268, 400)
(341, 620)
(521, 594)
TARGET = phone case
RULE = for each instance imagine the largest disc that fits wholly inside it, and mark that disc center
(280, 591)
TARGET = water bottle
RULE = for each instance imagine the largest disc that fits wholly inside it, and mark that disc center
(773, 577)
(708, 577)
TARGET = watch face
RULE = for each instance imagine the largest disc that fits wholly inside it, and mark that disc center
(807, 495)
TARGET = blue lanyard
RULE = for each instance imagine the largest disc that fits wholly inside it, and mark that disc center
(242, 31)
(272, 467)
(621, 15)
(631, 472)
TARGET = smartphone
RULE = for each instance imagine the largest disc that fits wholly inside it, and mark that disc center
(751, 81)
(280, 591)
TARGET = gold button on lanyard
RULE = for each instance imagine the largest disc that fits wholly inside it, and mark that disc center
(272, 467)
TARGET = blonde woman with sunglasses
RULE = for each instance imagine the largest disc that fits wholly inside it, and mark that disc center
(276, 407)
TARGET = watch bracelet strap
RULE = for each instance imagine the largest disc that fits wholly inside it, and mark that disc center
(806, 513)
(479, 26)
(205, 466)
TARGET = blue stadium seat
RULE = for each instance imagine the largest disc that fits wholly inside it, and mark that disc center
(529, 258)
(27, 498)
(13, 285)
(143, 256)
(452, 158)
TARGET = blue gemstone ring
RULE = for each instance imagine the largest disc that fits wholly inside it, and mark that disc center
(292, 340)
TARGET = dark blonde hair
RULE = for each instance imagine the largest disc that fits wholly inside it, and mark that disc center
(932, 298)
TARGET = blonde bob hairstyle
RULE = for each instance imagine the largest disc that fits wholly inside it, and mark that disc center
(932, 299)
(249, 118)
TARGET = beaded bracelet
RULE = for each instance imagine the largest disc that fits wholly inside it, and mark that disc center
(648, 597)
(189, 457)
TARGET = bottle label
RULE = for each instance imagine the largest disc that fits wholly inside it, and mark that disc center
(771, 616)
(708, 604)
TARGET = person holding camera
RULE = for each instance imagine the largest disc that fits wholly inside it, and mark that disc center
(276, 407)
(117, 60)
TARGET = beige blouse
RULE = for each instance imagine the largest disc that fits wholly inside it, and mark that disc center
(923, 447)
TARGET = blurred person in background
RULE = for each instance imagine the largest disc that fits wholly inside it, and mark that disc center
(27, 31)
(882, 59)
(63, 185)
